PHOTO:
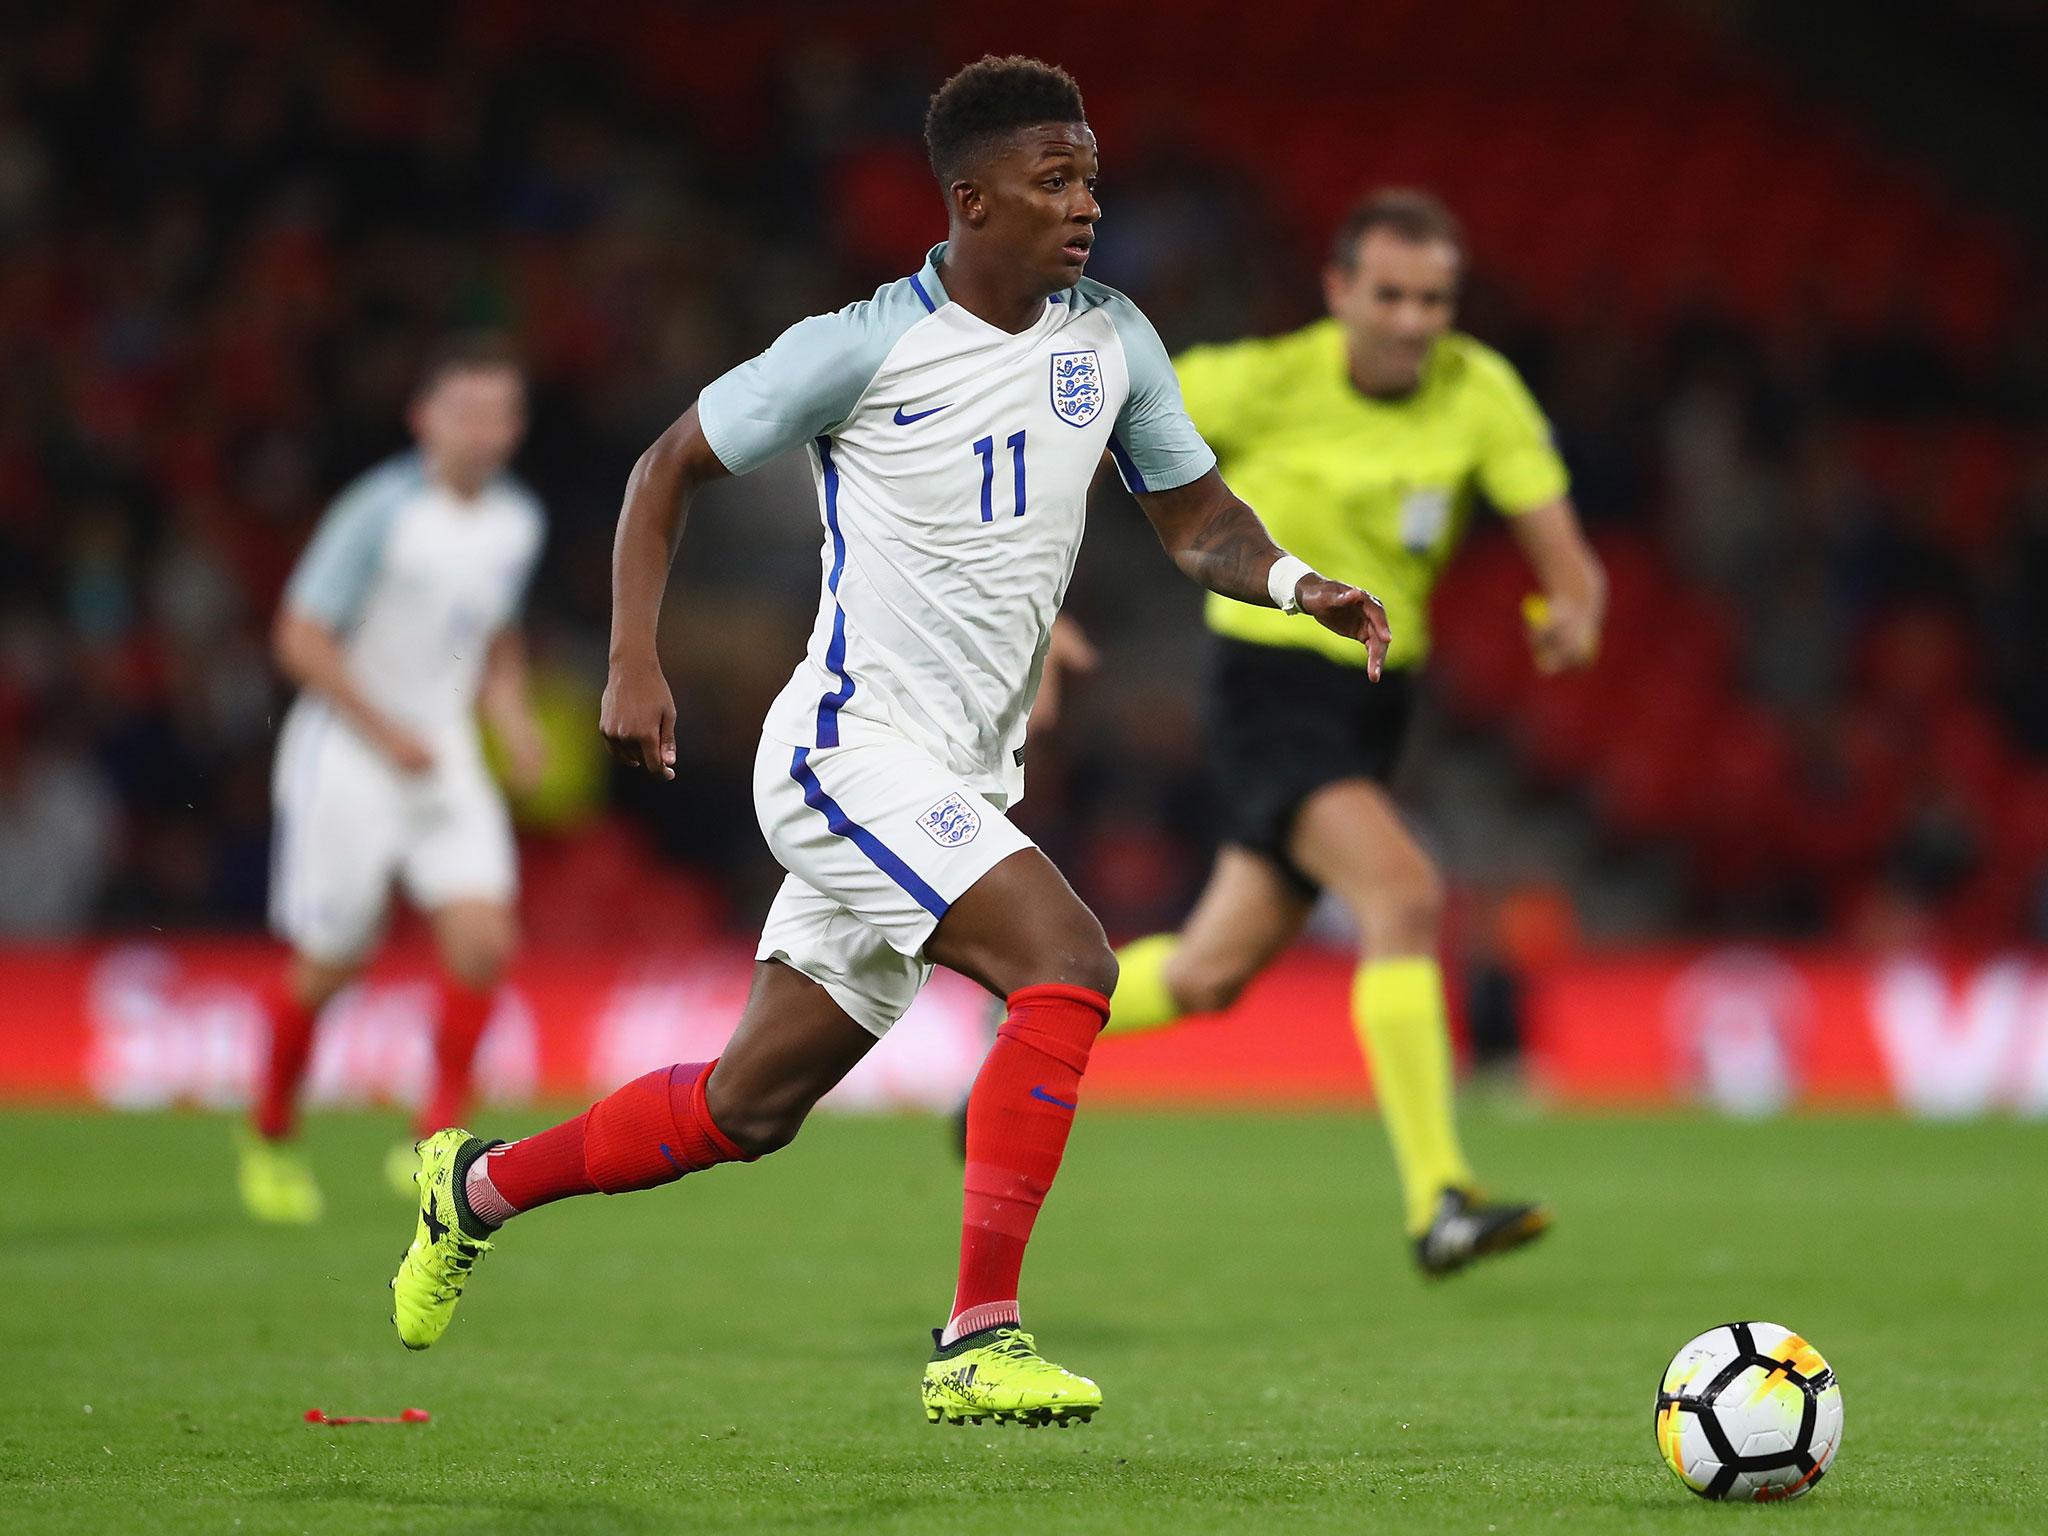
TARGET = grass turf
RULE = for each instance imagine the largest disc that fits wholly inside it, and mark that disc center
(742, 1353)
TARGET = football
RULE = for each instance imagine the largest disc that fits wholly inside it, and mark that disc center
(1749, 1412)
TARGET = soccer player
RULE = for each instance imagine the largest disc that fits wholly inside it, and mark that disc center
(953, 424)
(1363, 439)
(400, 618)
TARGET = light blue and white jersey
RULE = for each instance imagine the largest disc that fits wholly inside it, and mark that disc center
(952, 462)
(415, 581)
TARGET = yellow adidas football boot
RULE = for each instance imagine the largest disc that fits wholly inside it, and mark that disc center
(998, 1373)
(437, 1266)
(276, 1184)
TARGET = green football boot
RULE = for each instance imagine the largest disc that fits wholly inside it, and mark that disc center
(997, 1373)
(437, 1266)
(276, 1184)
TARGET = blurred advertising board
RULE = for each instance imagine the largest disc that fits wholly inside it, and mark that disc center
(1755, 1030)
(144, 1025)
(147, 1025)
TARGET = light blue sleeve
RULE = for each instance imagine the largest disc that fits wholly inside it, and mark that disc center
(332, 580)
(1154, 442)
(806, 383)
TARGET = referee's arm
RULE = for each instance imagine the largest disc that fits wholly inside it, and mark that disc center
(1564, 623)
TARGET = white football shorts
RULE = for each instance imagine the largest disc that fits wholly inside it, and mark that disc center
(349, 824)
(879, 840)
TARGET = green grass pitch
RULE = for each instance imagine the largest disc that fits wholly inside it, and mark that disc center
(741, 1352)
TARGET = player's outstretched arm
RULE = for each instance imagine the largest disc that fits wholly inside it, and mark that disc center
(1219, 543)
(1564, 625)
(638, 716)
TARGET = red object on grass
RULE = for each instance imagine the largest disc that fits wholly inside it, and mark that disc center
(409, 1416)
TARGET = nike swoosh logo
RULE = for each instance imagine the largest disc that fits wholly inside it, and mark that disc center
(1045, 1098)
(904, 421)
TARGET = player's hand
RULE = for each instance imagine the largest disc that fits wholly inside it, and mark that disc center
(407, 752)
(638, 717)
(1351, 613)
(1069, 655)
(1563, 636)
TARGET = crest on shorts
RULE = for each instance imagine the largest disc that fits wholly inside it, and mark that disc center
(951, 823)
(1076, 387)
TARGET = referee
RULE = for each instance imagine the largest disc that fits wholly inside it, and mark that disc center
(1364, 440)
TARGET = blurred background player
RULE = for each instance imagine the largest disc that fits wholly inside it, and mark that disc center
(1363, 439)
(399, 620)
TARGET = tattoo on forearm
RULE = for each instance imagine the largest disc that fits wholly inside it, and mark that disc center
(1231, 553)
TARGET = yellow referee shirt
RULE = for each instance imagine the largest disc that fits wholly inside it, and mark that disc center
(1372, 492)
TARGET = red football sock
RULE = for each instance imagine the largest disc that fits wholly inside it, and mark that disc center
(1018, 1115)
(464, 1013)
(652, 1131)
(291, 1048)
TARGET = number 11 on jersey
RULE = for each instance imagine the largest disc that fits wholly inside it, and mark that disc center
(986, 448)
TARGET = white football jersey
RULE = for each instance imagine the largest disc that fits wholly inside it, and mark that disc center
(952, 462)
(416, 581)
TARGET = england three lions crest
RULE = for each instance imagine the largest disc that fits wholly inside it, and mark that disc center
(951, 823)
(1076, 387)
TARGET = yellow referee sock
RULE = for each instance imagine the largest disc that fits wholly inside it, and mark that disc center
(1141, 1000)
(1398, 1009)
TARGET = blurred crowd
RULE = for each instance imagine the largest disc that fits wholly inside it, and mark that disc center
(228, 232)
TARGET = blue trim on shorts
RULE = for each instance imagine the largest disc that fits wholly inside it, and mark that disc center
(835, 653)
(842, 825)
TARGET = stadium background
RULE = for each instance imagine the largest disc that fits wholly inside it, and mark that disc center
(1783, 302)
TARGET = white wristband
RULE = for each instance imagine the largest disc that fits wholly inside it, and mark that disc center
(1283, 578)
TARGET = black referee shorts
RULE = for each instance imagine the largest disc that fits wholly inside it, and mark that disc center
(1283, 722)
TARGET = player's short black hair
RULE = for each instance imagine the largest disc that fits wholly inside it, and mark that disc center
(1415, 216)
(990, 98)
(468, 352)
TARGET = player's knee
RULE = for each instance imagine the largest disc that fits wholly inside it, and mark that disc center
(314, 983)
(480, 966)
(479, 956)
(759, 1131)
(1209, 988)
(1106, 970)
(1088, 962)
(1074, 954)
(1084, 956)
(1404, 915)
(759, 1122)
